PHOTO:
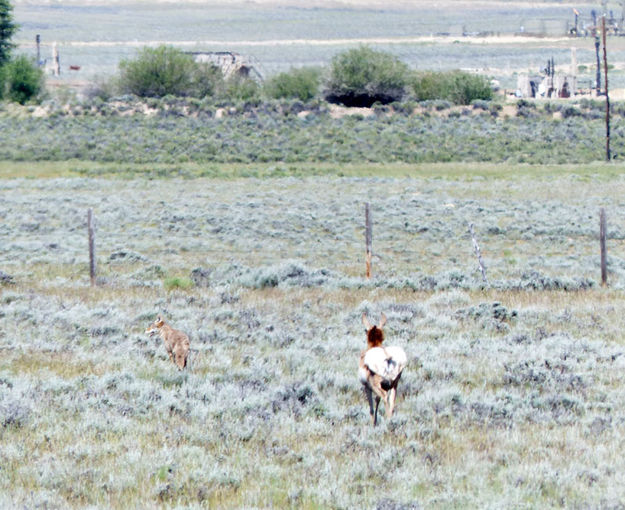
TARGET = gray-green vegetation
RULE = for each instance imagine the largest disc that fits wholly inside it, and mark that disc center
(177, 130)
(157, 72)
(300, 83)
(456, 86)
(512, 395)
(168, 71)
(357, 77)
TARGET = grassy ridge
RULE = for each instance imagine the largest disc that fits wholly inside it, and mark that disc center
(257, 137)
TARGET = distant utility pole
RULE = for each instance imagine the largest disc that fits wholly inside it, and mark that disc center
(608, 155)
(598, 76)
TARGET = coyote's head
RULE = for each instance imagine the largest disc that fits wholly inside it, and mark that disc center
(155, 326)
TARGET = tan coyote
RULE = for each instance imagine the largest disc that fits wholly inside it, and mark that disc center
(380, 369)
(176, 342)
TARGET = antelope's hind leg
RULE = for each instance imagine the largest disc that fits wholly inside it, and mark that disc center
(391, 396)
(369, 394)
(390, 402)
(375, 417)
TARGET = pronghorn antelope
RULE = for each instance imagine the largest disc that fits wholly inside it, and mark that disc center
(380, 369)
(176, 342)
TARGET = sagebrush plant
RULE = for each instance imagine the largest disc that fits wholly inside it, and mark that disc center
(458, 87)
(363, 76)
(302, 83)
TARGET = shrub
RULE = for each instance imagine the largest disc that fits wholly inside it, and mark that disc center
(458, 87)
(239, 88)
(157, 72)
(177, 283)
(302, 84)
(570, 111)
(469, 87)
(207, 80)
(13, 413)
(480, 104)
(21, 80)
(102, 89)
(5, 278)
(427, 86)
(523, 103)
(362, 76)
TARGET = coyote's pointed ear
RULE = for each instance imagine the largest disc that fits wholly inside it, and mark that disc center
(366, 322)
(382, 321)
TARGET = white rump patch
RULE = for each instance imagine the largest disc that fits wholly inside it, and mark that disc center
(387, 363)
(363, 373)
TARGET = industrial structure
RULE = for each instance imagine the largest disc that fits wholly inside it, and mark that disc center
(590, 25)
(230, 63)
(549, 83)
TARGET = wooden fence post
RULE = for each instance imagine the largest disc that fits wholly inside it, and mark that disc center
(604, 251)
(368, 240)
(38, 44)
(91, 230)
(478, 253)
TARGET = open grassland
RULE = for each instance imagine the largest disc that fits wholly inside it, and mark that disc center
(513, 396)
